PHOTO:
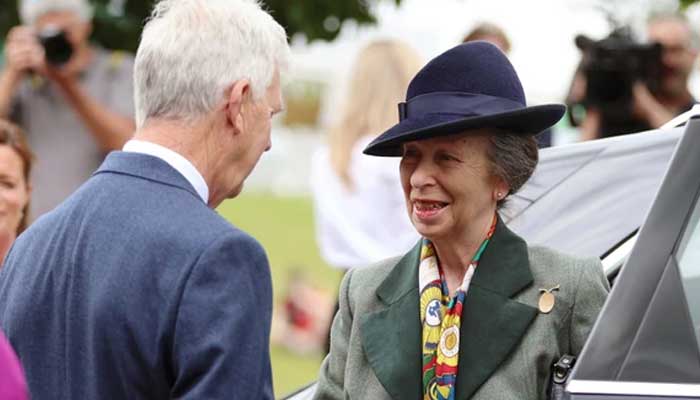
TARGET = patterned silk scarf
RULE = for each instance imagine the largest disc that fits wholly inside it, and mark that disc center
(441, 317)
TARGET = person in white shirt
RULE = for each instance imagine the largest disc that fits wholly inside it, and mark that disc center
(359, 209)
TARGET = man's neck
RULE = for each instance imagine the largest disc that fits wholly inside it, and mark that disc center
(185, 140)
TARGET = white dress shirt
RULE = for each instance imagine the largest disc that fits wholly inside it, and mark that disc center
(175, 160)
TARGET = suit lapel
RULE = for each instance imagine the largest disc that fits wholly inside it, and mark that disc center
(492, 322)
(391, 337)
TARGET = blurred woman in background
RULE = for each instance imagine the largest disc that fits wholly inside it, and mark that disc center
(15, 168)
(358, 203)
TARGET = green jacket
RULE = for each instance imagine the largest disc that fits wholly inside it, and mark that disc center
(507, 345)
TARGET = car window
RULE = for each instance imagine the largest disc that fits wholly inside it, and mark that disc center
(688, 259)
(649, 329)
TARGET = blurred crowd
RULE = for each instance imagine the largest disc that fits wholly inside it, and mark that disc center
(65, 103)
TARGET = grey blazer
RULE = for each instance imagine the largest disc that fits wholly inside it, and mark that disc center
(507, 345)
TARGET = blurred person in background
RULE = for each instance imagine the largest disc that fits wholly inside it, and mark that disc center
(73, 99)
(135, 287)
(358, 204)
(650, 107)
(493, 34)
(15, 169)
(13, 386)
(472, 311)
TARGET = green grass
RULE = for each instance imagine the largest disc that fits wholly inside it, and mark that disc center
(285, 227)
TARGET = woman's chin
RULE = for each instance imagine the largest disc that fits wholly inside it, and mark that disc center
(429, 231)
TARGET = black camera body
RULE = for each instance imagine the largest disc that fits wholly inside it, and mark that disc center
(611, 66)
(57, 48)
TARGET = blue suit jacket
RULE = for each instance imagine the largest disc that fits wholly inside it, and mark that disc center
(134, 289)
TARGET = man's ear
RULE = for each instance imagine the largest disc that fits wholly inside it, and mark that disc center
(239, 94)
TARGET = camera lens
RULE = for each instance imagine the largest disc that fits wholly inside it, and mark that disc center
(57, 48)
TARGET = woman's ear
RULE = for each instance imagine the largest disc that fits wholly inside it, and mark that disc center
(501, 190)
(238, 95)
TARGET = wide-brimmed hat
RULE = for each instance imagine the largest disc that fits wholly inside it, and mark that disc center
(470, 86)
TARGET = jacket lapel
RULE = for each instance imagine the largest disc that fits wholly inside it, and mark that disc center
(492, 322)
(391, 337)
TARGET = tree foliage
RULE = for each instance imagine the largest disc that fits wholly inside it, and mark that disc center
(120, 29)
(687, 3)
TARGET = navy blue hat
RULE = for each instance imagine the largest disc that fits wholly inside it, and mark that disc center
(470, 86)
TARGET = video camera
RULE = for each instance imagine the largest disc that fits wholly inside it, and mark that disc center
(611, 66)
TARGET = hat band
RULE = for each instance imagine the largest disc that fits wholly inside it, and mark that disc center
(466, 104)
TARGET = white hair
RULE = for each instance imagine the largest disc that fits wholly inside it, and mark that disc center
(31, 10)
(191, 51)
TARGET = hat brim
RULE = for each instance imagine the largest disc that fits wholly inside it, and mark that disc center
(528, 120)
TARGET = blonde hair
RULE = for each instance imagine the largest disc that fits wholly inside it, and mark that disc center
(380, 77)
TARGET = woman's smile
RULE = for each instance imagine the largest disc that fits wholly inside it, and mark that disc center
(427, 210)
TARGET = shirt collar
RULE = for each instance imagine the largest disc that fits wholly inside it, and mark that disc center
(175, 160)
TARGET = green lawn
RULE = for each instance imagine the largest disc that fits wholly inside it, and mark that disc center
(284, 226)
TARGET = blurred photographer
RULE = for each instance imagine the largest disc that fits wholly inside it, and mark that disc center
(73, 99)
(653, 89)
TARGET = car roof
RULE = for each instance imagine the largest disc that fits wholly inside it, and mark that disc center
(585, 198)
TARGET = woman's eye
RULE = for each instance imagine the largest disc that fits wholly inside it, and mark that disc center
(409, 154)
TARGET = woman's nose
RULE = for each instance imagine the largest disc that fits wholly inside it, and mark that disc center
(422, 175)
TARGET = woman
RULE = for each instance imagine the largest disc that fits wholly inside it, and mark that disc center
(345, 179)
(472, 312)
(13, 385)
(15, 167)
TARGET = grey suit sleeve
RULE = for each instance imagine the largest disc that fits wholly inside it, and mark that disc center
(220, 345)
(332, 374)
(592, 289)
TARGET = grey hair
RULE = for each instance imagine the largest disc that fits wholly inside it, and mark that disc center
(513, 158)
(693, 39)
(191, 51)
(31, 10)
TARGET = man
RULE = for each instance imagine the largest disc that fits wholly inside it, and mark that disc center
(680, 49)
(73, 110)
(672, 97)
(133, 288)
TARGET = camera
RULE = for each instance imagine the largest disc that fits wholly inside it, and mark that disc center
(57, 48)
(611, 67)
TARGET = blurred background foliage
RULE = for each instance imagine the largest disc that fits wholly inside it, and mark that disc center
(118, 23)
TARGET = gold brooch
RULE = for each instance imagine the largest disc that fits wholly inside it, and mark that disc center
(546, 303)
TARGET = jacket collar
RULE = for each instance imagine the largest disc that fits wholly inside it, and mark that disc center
(492, 322)
(146, 167)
